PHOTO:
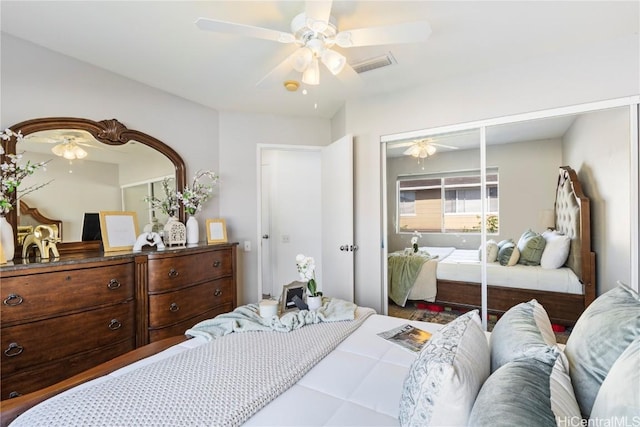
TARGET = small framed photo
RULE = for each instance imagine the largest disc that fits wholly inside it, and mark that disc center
(119, 230)
(216, 231)
(288, 292)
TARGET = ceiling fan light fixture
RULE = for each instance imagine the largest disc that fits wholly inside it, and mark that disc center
(343, 39)
(334, 61)
(69, 151)
(301, 59)
(311, 75)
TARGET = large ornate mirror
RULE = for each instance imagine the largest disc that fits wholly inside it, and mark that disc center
(92, 166)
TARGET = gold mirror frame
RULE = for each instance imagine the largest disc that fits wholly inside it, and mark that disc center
(109, 132)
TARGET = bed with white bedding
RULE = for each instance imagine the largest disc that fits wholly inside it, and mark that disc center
(517, 375)
(453, 277)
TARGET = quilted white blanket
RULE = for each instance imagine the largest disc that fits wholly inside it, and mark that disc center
(221, 383)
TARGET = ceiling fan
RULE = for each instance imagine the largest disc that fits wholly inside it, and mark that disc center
(316, 33)
(67, 143)
(424, 148)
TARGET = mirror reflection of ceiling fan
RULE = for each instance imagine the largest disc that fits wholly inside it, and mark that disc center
(67, 143)
(424, 148)
(316, 33)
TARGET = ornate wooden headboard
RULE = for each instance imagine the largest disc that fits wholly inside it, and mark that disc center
(573, 219)
(38, 217)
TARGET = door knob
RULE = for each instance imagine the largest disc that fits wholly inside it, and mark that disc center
(265, 236)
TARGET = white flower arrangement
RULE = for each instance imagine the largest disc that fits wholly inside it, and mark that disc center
(192, 197)
(414, 240)
(169, 205)
(13, 172)
(307, 270)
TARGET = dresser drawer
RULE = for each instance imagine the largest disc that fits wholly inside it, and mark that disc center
(37, 296)
(47, 374)
(174, 307)
(184, 270)
(180, 328)
(44, 341)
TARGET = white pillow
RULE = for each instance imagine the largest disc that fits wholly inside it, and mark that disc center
(556, 250)
(444, 380)
(619, 395)
(492, 251)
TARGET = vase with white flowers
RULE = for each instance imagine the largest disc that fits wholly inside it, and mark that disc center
(414, 241)
(193, 197)
(307, 271)
(14, 171)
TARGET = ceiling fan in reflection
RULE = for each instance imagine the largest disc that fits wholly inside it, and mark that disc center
(316, 34)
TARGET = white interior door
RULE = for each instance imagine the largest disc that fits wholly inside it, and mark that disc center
(265, 241)
(338, 244)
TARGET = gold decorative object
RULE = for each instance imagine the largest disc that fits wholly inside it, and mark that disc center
(44, 238)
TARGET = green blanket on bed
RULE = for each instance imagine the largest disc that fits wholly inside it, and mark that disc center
(403, 271)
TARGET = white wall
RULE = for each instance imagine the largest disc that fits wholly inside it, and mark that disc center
(594, 73)
(604, 171)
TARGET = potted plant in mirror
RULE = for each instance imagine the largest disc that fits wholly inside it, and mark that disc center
(193, 197)
(306, 269)
(13, 173)
(173, 232)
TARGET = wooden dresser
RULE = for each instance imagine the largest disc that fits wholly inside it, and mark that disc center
(63, 317)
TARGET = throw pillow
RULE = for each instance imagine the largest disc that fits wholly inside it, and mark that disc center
(492, 251)
(556, 250)
(619, 395)
(531, 391)
(508, 254)
(523, 329)
(531, 245)
(604, 330)
(444, 380)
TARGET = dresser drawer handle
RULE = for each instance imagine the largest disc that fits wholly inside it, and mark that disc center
(14, 394)
(13, 300)
(115, 324)
(13, 350)
(217, 292)
(174, 307)
(173, 273)
(113, 284)
(217, 263)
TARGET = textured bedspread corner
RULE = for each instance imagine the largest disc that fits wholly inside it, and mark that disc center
(247, 318)
(221, 383)
(403, 271)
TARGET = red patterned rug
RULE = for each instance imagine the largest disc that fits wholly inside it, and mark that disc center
(426, 312)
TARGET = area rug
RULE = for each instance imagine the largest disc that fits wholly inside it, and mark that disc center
(437, 314)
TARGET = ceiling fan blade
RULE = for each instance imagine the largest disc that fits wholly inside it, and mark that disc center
(318, 10)
(450, 147)
(244, 30)
(278, 74)
(411, 32)
(412, 151)
(350, 78)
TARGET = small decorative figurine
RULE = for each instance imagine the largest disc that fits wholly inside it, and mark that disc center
(148, 239)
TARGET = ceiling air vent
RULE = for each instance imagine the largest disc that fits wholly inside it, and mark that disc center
(373, 63)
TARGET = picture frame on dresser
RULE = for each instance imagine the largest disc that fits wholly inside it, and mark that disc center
(119, 230)
(216, 231)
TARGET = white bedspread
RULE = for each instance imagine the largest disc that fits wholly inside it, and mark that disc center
(463, 265)
(220, 383)
(358, 384)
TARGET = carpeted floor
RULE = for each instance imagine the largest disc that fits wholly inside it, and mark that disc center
(415, 310)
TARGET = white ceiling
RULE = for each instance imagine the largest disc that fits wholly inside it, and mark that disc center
(158, 44)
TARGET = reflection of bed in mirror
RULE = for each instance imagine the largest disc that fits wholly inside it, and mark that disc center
(452, 276)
